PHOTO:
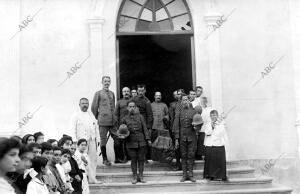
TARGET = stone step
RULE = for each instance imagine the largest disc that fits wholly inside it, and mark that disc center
(152, 166)
(270, 189)
(176, 186)
(234, 172)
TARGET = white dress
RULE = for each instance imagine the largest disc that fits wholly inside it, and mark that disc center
(67, 169)
(81, 165)
(5, 187)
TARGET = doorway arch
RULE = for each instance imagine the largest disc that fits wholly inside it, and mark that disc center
(153, 37)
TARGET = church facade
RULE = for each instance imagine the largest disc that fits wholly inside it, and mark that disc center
(243, 53)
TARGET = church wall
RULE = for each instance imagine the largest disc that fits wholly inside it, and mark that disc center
(261, 125)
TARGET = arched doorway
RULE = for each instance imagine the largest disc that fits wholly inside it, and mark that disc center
(155, 46)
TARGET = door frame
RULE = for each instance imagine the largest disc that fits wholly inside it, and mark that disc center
(193, 62)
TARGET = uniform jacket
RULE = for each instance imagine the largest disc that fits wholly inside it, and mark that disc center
(139, 133)
(172, 112)
(160, 111)
(145, 109)
(183, 127)
(103, 107)
(120, 110)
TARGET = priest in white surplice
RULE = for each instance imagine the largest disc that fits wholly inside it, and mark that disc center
(84, 125)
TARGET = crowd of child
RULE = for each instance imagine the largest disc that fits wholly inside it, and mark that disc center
(33, 166)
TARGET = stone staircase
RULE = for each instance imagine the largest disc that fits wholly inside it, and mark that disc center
(161, 179)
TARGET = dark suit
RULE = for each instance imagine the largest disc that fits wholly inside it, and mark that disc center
(77, 185)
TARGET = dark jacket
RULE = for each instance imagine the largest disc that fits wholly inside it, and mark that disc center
(139, 134)
(120, 111)
(172, 109)
(103, 107)
(77, 186)
(183, 127)
(18, 182)
(145, 109)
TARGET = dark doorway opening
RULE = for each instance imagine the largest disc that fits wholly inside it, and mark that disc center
(161, 62)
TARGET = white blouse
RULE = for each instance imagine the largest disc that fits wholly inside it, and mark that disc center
(206, 115)
(77, 157)
(5, 187)
(216, 137)
(61, 172)
(35, 186)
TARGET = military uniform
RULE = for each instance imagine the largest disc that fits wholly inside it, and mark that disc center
(160, 112)
(103, 109)
(186, 134)
(119, 146)
(172, 110)
(144, 106)
(145, 110)
(136, 143)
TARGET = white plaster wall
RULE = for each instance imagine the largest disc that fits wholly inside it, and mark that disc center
(49, 47)
(9, 66)
(263, 123)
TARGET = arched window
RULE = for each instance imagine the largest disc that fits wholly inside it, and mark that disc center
(154, 16)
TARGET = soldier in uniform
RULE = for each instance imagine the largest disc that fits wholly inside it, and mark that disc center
(144, 106)
(160, 113)
(172, 107)
(137, 141)
(186, 136)
(103, 109)
(120, 112)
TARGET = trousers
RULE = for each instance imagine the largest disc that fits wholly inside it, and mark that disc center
(187, 151)
(137, 156)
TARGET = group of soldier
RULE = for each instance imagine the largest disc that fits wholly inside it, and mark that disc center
(185, 119)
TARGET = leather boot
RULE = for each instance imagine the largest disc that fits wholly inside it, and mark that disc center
(190, 171)
(134, 179)
(104, 156)
(117, 153)
(141, 172)
(184, 170)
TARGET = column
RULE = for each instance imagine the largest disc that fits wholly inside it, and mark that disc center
(215, 68)
(96, 48)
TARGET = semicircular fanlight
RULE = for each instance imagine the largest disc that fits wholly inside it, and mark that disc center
(154, 16)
